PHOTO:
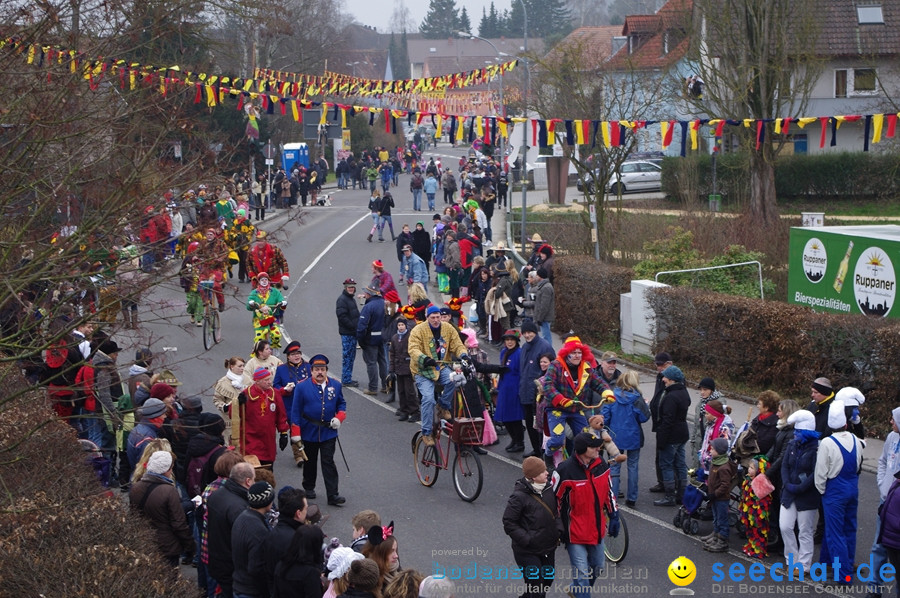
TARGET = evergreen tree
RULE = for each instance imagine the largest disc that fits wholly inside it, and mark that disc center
(442, 20)
(401, 66)
(464, 23)
(392, 53)
(484, 28)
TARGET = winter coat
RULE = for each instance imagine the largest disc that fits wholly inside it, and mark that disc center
(107, 385)
(889, 536)
(347, 314)
(284, 375)
(720, 480)
(312, 411)
(765, 432)
(820, 412)
(422, 345)
(278, 542)
(248, 539)
(531, 520)
(179, 433)
(199, 446)
(452, 258)
(798, 466)
(673, 409)
(624, 417)
(508, 406)
(413, 268)
(544, 302)
(559, 392)
(261, 417)
(430, 185)
(448, 181)
(583, 506)
(399, 355)
(297, 581)
(223, 508)
(138, 438)
(383, 282)
(164, 513)
(421, 244)
(403, 238)
(783, 435)
(371, 322)
(530, 368)
(504, 285)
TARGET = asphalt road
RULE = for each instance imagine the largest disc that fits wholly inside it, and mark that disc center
(436, 530)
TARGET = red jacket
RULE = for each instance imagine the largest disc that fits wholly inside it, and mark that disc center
(585, 498)
(261, 417)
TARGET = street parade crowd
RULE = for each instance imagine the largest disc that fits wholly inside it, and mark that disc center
(204, 481)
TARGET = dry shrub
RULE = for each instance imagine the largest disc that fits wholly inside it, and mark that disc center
(61, 533)
(767, 344)
(587, 297)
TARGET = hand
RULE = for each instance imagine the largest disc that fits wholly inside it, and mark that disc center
(335, 423)
(429, 362)
(289, 386)
(465, 360)
(197, 500)
(613, 530)
(242, 399)
(282, 441)
(283, 305)
(254, 305)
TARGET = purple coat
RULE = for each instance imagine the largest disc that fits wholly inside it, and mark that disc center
(890, 518)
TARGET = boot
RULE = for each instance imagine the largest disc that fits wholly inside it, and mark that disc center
(548, 462)
(126, 318)
(369, 238)
(669, 499)
(658, 488)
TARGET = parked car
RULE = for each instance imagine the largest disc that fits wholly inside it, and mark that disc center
(633, 175)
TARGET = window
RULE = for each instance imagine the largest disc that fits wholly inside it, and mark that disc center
(870, 15)
(855, 82)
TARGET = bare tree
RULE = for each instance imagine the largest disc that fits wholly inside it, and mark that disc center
(759, 59)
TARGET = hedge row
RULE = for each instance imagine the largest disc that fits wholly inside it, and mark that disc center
(61, 533)
(854, 175)
(767, 344)
(587, 297)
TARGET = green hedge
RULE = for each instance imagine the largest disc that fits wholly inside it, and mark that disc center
(854, 175)
(587, 297)
(766, 344)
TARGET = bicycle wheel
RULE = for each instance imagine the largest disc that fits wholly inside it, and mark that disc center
(426, 459)
(467, 473)
(216, 326)
(208, 340)
(616, 548)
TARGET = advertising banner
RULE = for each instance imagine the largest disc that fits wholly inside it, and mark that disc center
(845, 269)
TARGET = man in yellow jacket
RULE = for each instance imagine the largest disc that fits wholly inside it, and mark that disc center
(432, 344)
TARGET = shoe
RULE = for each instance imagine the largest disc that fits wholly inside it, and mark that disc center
(548, 462)
(390, 400)
(370, 392)
(428, 439)
(445, 414)
(310, 494)
(221, 308)
(398, 413)
(718, 544)
(667, 501)
(629, 503)
(336, 500)
(351, 384)
(381, 240)
(620, 495)
(708, 537)
(479, 450)
(531, 454)
(403, 417)
(369, 238)
(657, 489)
(414, 418)
(515, 447)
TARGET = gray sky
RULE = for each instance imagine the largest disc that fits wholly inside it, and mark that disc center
(380, 17)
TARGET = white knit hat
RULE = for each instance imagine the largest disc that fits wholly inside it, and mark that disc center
(837, 419)
(340, 560)
(159, 462)
(850, 396)
(802, 420)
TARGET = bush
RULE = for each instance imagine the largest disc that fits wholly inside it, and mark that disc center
(766, 344)
(587, 297)
(61, 533)
(856, 175)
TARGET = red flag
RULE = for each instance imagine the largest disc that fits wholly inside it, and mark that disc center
(892, 124)
(824, 120)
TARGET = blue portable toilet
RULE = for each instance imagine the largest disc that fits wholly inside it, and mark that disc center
(293, 153)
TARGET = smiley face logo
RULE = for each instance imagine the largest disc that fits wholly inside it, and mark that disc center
(682, 571)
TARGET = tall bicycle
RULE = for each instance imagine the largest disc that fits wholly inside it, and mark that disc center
(212, 330)
(462, 432)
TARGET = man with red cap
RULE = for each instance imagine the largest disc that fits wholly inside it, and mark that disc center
(318, 411)
(265, 257)
(567, 388)
(382, 281)
(262, 415)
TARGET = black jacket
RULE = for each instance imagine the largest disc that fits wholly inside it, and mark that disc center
(198, 446)
(673, 409)
(775, 454)
(533, 527)
(654, 402)
(798, 467)
(820, 411)
(765, 432)
(347, 314)
(224, 506)
(297, 581)
(421, 244)
(179, 433)
(248, 538)
(278, 542)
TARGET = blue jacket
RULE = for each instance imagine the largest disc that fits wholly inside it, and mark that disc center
(431, 185)
(509, 408)
(138, 438)
(624, 417)
(414, 267)
(530, 368)
(286, 373)
(798, 474)
(313, 411)
(371, 321)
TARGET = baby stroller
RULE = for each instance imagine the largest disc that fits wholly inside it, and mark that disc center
(695, 505)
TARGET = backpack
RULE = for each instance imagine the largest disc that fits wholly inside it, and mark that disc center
(195, 471)
(56, 354)
(417, 181)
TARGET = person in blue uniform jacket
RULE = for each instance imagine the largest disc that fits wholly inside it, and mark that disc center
(287, 377)
(317, 412)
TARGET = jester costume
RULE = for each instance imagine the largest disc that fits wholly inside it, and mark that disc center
(265, 257)
(266, 324)
(755, 513)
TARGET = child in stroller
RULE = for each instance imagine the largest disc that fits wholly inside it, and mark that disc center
(710, 496)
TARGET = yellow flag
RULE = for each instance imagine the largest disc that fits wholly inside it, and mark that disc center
(877, 124)
(604, 131)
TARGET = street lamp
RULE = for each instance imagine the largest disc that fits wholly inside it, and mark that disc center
(465, 34)
(353, 66)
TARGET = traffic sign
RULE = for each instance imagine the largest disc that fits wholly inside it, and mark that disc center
(269, 161)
